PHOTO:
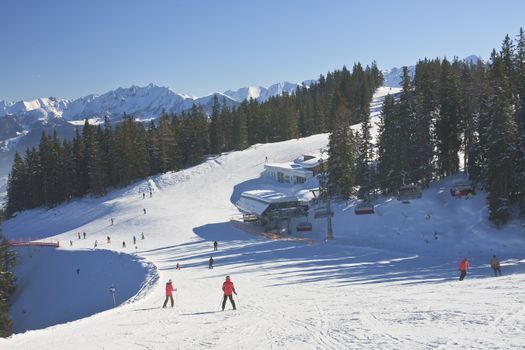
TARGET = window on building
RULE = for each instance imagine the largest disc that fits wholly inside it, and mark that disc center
(280, 177)
(300, 180)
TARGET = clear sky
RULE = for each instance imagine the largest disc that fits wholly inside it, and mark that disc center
(71, 48)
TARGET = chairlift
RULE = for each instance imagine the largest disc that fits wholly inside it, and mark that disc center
(249, 218)
(408, 192)
(462, 189)
(322, 213)
(304, 227)
(364, 208)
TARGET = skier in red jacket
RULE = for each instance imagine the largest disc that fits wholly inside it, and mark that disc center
(228, 288)
(169, 294)
(463, 268)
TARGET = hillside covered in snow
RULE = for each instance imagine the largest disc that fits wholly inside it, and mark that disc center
(387, 281)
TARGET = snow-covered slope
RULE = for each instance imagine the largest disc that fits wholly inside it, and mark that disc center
(387, 281)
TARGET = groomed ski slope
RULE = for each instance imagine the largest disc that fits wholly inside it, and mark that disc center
(385, 282)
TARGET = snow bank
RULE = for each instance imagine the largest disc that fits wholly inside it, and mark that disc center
(50, 291)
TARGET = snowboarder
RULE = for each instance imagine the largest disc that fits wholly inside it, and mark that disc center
(84, 234)
(210, 263)
(463, 268)
(494, 264)
(144, 209)
(142, 235)
(134, 240)
(215, 245)
(143, 195)
(169, 293)
(123, 244)
(228, 288)
(108, 239)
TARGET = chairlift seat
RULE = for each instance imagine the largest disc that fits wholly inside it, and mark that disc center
(322, 213)
(408, 192)
(462, 189)
(364, 208)
(249, 218)
(304, 227)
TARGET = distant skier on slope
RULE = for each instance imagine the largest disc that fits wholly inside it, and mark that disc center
(463, 268)
(228, 288)
(169, 293)
(210, 263)
(215, 245)
(495, 265)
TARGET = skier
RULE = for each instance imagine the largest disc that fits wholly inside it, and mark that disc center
(215, 245)
(70, 243)
(123, 244)
(494, 264)
(210, 263)
(143, 195)
(144, 209)
(108, 239)
(84, 234)
(142, 235)
(169, 293)
(463, 268)
(96, 243)
(78, 271)
(150, 194)
(78, 235)
(177, 267)
(112, 221)
(134, 240)
(228, 288)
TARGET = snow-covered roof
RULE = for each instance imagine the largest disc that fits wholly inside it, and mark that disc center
(296, 168)
(257, 201)
(310, 161)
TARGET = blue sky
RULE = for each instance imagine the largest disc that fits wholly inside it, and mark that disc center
(71, 48)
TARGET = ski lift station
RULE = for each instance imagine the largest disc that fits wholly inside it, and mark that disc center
(271, 208)
(298, 171)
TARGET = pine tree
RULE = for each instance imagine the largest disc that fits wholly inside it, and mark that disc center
(342, 151)
(448, 122)
(17, 187)
(501, 137)
(7, 284)
(217, 139)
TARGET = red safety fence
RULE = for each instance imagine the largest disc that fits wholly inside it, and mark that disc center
(21, 243)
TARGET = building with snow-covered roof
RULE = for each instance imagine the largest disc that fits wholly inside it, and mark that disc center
(265, 204)
(298, 171)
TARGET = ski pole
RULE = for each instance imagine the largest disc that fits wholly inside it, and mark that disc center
(238, 301)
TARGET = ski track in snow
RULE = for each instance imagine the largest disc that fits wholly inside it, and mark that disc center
(385, 282)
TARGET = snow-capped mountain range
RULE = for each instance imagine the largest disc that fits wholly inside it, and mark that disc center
(142, 102)
(22, 122)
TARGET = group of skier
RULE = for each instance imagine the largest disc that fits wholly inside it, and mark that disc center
(464, 266)
(228, 289)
